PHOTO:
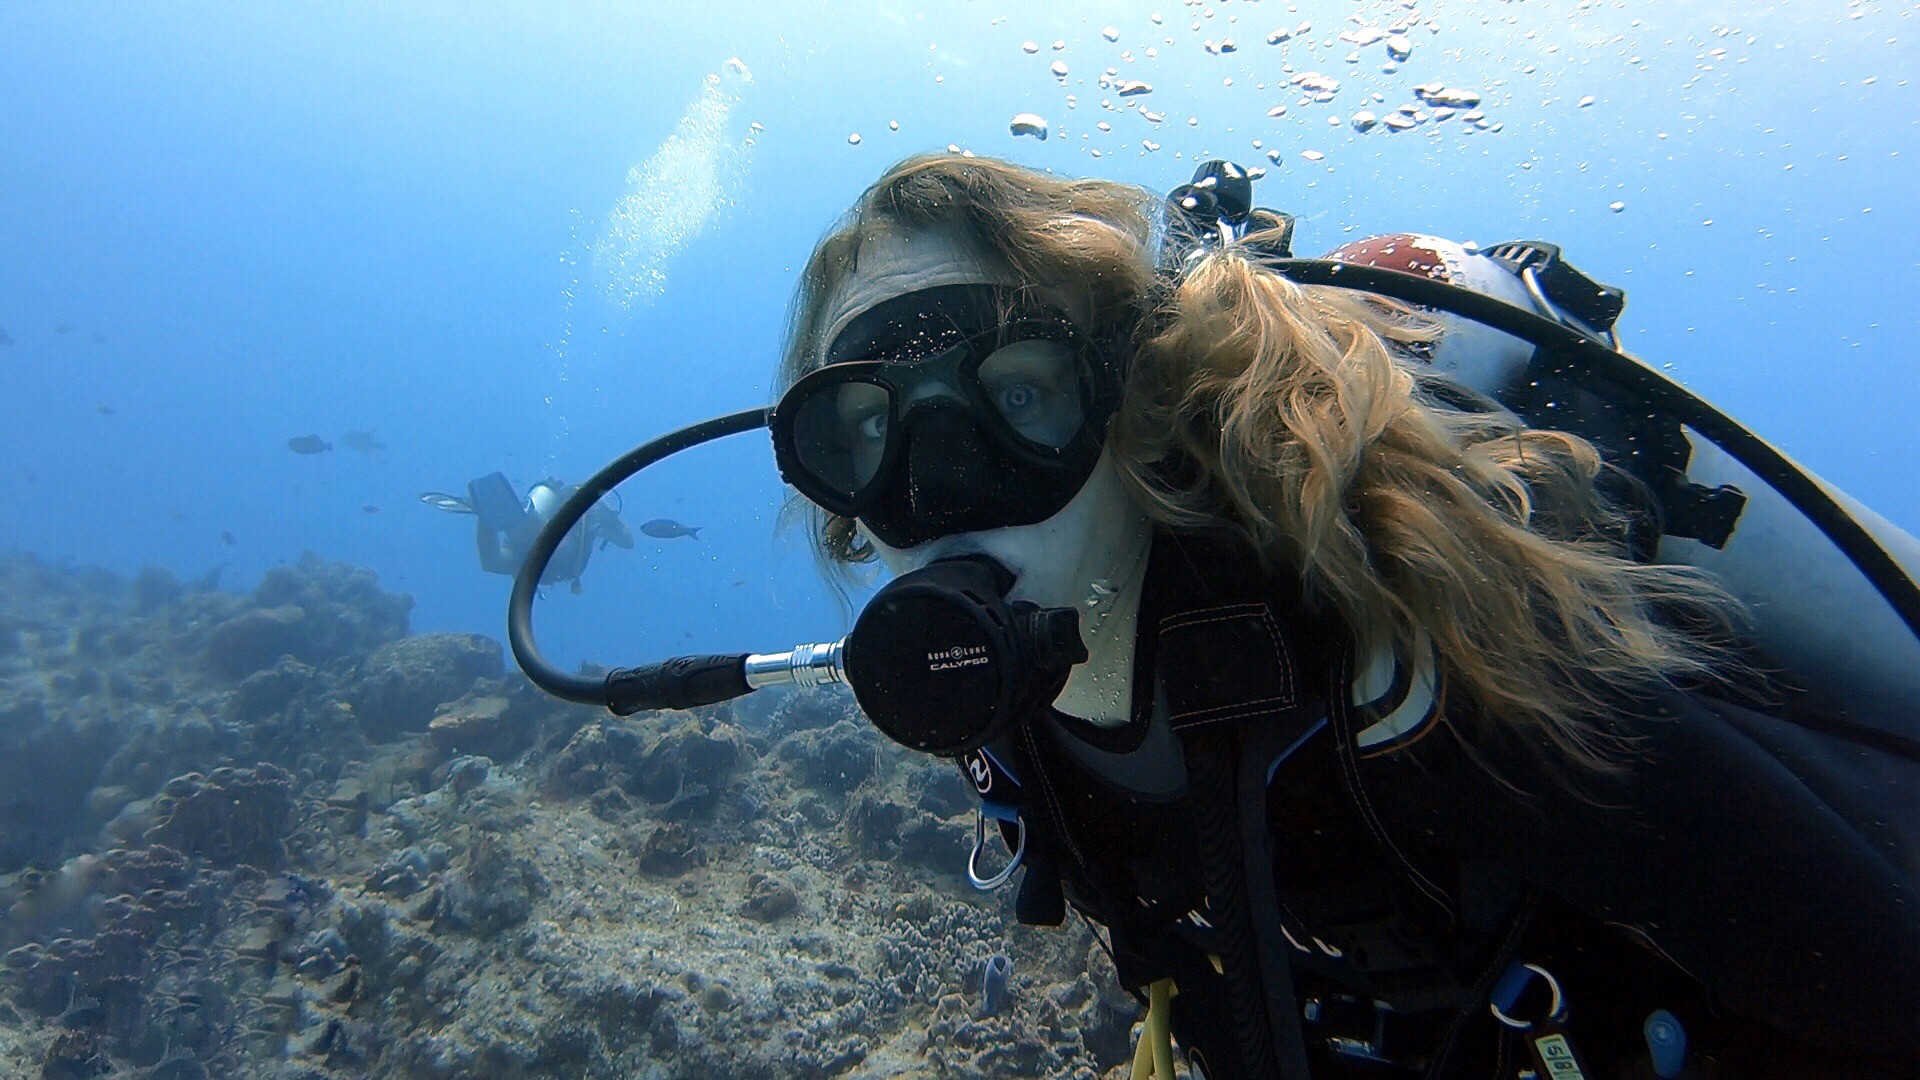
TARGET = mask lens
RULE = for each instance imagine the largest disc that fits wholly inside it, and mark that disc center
(1035, 386)
(840, 435)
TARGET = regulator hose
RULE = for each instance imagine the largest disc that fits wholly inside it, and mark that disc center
(679, 683)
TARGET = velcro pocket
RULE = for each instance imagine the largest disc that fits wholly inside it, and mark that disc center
(1225, 663)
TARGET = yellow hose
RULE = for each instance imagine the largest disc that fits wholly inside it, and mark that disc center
(1153, 1057)
(1143, 1055)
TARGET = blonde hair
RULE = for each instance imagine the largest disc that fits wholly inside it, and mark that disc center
(1291, 415)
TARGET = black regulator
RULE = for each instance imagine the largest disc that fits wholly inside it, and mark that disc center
(940, 661)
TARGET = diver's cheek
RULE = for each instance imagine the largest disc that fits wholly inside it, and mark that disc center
(1012, 548)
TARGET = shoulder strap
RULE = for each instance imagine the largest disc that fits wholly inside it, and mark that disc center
(1238, 695)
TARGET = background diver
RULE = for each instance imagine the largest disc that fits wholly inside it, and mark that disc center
(505, 526)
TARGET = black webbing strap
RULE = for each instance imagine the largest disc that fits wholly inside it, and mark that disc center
(1261, 746)
(1242, 962)
(1517, 928)
(1233, 692)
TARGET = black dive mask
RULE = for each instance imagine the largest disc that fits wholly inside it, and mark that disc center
(942, 662)
(948, 410)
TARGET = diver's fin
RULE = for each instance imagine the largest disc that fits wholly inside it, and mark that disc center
(452, 504)
(493, 498)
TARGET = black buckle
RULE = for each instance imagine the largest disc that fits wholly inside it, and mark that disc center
(1697, 512)
(1360, 1029)
(1541, 265)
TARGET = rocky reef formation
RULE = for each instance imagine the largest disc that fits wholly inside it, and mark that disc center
(273, 835)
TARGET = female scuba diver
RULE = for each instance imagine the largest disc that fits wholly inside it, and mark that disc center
(1385, 748)
(505, 526)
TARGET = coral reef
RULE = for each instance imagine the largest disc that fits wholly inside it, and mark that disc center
(270, 835)
(995, 971)
(484, 724)
(234, 817)
(255, 639)
(400, 686)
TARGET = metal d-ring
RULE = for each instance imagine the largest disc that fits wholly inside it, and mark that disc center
(1553, 1007)
(987, 884)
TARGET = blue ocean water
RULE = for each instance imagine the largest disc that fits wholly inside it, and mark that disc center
(527, 237)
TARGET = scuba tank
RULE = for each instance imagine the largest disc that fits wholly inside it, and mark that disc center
(1824, 619)
(570, 558)
(1828, 584)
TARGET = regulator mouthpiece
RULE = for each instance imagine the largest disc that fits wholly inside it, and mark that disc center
(943, 663)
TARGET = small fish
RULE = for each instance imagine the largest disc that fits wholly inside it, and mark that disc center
(366, 443)
(227, 538)
(308, 444)
(105, 410)
(369, 508)
(63, 328)
(668, 529)
(5, 338)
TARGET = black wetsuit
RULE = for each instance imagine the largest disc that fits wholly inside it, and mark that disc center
(1346, 903)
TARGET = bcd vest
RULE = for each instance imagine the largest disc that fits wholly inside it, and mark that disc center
(1338, 886)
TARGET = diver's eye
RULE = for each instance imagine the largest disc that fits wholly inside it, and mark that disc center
(1033, 384)
(872, 427)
